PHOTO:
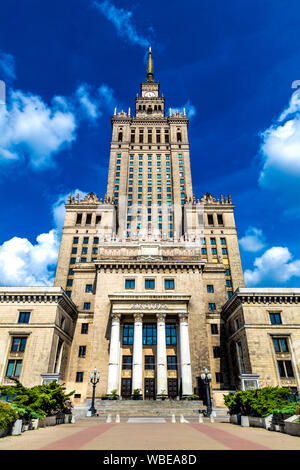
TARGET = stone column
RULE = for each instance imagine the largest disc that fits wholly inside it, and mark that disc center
(161, 352)
(137, 359)
(114, 354)
(185, 357)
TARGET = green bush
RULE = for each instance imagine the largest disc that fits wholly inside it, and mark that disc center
(39, 401)
(7, 415)
(259, 402)
(290, 409)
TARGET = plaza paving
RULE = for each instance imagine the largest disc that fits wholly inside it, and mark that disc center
(92, 434)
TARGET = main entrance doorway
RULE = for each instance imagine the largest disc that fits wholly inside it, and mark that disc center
(126, 388)
(172, 388)
(149, 389)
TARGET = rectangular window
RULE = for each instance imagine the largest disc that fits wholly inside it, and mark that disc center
(86, 306)
(79, 376)
(24, 317)
(216, 351)
(18, 344)
(203, 251)
(172, 362)
(275, 319)
(280, 345)
(74, 250)
(89, 288)
(220, 219)
(219, 377)
(214, 251)
(96, 240)
(149, 283)
(170, 334)
(84, 328)
(85, 240)
(224, 251)
(14, 368)
(211, 306)
(126, 362)
(84, 250)
(129, 283)
(128, 330)
(149, 363)
(149, 333)
(82, 351)
(88, 219)
(210, 288)
(210, 219)
(79, 219)
(223, 241)
(75, 240)
(169, 284)
(214, 328)
(228, 283)
(285, 369)
(69, 282)
(212, 241)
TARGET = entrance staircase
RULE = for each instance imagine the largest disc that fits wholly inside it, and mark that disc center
(143, 408)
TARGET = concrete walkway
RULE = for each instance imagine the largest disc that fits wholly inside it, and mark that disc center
(90, 434)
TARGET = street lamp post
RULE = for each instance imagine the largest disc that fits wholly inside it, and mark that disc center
(94, 379)
(206, 377)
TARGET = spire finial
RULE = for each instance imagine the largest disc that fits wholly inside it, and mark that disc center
(150, 74)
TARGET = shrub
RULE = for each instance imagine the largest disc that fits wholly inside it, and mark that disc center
(7, 416)
(39, 401)
(259, 402)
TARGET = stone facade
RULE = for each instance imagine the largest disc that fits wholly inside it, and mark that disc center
(145, 279)
(263, 335)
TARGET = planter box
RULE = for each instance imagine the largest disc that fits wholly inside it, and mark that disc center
(48, 421)
(245, 421)
(264, 423)
(233, 419)
(17, 428)
(290, 427)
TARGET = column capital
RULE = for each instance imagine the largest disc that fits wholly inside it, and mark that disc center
(138, 316)
(183, 317)
(161, 317)
(115, 317)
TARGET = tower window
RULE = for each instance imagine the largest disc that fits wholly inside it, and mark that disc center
(178, 136)
(88, 219)
(79, 219)
(210, 219)
(120, 136)
(214, 328)
(275, 318)
(220, 219)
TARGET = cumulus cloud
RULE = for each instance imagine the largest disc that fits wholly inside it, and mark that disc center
(276, 265)
(25, 264)
(280, 153)
(189, 109)
(30, 128)
(7, 66)
(253, 240)
(34, 131)
(122, 20)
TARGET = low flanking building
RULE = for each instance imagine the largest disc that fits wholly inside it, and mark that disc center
(36, 332)
(262, 335)
(149, 285)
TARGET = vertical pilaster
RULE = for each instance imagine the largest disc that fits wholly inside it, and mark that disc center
(162, 381)
(114, 354)
(137, 359)
(185, 357)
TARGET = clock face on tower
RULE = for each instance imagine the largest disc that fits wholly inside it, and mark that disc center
(150, 94)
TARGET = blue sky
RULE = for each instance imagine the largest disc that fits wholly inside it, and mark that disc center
(233, 64)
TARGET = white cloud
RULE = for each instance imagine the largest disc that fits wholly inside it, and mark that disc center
(280, 153)
(253, 240)
(122, 20)
(25, 264)
(189, 109)
(7, 66)
(31, 129)
(276, 265)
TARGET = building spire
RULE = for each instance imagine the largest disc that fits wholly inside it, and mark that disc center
(150, 74)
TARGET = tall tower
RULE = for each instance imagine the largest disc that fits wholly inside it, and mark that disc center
(149, 172)
(149, 267)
